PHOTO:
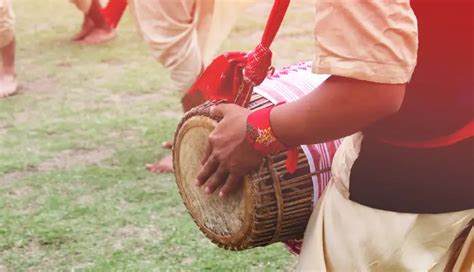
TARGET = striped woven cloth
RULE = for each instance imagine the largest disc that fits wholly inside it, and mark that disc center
(289, 84)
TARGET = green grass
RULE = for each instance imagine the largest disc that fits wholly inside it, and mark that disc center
(73, 191)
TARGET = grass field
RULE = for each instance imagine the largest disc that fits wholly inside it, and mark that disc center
(74, 194)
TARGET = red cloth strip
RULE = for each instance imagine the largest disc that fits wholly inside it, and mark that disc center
(113, 11)
(459, 135)
(274, 22)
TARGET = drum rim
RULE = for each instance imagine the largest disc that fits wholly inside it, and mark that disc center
(237, 240)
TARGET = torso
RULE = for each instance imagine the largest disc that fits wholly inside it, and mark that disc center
(438, 101)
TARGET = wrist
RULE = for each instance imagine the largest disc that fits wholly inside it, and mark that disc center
(260, 134)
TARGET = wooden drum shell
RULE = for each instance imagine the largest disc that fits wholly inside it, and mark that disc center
(272, 206)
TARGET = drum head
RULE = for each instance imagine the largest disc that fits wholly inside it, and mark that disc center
(225, 221)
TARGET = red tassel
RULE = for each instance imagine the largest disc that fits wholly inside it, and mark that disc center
(292, 160)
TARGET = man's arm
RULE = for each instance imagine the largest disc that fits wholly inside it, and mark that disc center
(340, 107)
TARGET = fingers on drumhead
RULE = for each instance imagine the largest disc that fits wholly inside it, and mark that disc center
(230, 186)
(216, 180)
(209, 167)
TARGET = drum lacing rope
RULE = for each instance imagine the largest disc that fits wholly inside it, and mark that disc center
(258, 65)
(278, 198)
(259, 61)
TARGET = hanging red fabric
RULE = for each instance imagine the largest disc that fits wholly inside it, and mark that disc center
(113, 11)
(232, 76)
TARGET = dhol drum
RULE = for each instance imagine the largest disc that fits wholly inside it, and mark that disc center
(272, 205)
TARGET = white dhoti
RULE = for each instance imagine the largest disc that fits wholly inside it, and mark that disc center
(184, 35)
(343, 235)
(7, 27)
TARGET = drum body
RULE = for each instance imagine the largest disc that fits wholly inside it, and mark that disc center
(271, 206)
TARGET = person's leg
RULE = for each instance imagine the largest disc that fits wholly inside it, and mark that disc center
(87, 24)
(169, 28)
(8, 82)
(102, 31)
(179, 33)
(86, 27)
(95, 28)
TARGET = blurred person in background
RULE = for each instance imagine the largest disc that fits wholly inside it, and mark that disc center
(99, 23)
(184, 36)
(8, 81)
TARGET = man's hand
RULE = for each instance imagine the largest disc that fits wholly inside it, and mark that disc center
(230, 156)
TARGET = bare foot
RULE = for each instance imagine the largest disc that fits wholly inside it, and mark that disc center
(99, 35)
(87, 27)
(8, 84)
(165, 165)
(167, 144)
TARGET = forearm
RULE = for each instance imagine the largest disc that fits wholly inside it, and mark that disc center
(340, 107)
